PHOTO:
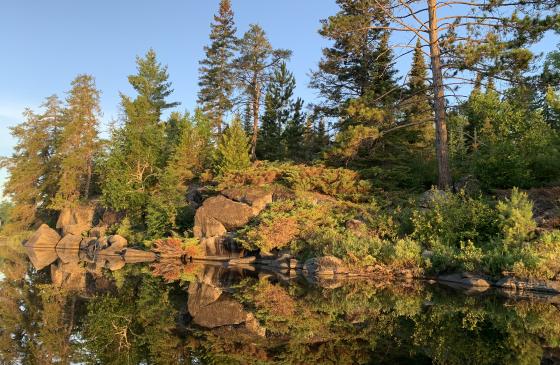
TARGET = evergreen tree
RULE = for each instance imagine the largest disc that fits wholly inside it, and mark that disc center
(356, 77)
(79, 143)
(254, 68)
(28, 169)
(137, 154)
(277, 113)
(233, 150)
(216, 75)
(294, 134)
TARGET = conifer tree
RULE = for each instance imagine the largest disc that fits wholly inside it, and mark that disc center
(79, 142)
(294, 134)
(137, 151)
(233, 150)
(254, 67)
(277, 113)
(27, 185)
(357, 70)
(216, 74)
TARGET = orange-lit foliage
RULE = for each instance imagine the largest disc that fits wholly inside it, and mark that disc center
(275, 300)
(173, 270)
(175, 247)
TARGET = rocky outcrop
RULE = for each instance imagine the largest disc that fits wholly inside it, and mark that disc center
(75, 220)
(466, 280)
(229, 211)
(68, 248)
(325, 265)
(70, 276)
(41, 247)
(545, 286)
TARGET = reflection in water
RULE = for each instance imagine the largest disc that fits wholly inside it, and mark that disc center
(169, 313)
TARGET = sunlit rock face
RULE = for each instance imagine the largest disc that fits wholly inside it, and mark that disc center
(224, 213)
(41, 246)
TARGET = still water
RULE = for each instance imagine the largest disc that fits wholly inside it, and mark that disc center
(79, 312)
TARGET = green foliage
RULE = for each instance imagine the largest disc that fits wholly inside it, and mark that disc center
(232, 153)
(216, 74)
(516, 218)
(5, 212)
(509, 144)
(455, 219)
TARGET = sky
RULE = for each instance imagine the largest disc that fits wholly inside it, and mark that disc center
(45, 44)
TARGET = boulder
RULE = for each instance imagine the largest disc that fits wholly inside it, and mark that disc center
(427, 198)
(75, 220)
(466, 279)
(210, 309)
(70, 276)
(41, 257)
(132, 256)
(545, 286)
(229, 213)
(469, 184)
(325, 265)
(98, 232)
(210, 227)
(114, 263)
(257, 198)
(68, 248)
(44, 238)
(87, 242)
(117, 242)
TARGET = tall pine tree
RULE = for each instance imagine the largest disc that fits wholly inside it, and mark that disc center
(277, 113)
(254, 68)
(137, 153)
(356, 77)
(216, 74)
(79, 142)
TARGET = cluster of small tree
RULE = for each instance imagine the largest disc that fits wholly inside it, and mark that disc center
(392, 128)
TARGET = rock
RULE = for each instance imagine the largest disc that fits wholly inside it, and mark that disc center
(325, 265)
(87, 242)
(45, 237)
(68, 248)
(75, 220)
(544, 286)
(466, 280)
(469, 184)
(132, 256)
(295, 264)
(257, 198)
(70, 276)
(242, 260)
(114, 263)
(427, 198)
(41, 257)
(97, 232)
(230, 214)
(117, 242)
(75, 229)
(210, 227)
(252, 325)
(426, 254)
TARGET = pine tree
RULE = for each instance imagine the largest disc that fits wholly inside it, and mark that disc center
(233, 150)
(277, 113)
(28, 169)
(356, 77)
(216, 75)
(79, 142)
(254, 67)
(417, 106)
(137, 152)
(294, 134)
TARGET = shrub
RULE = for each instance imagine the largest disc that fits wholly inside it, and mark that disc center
(455, 219)
(516, 218)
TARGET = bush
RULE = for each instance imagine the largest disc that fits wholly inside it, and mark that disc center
(516, 218)
(454, 220)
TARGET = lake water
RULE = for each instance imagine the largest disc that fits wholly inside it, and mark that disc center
(169, 313)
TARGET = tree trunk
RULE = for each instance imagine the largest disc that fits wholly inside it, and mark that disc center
(88, 178)
(256, 103)
(442, 149)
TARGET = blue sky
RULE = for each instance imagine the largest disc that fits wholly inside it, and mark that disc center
(45, 44)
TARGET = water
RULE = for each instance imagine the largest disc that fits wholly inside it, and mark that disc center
(169, 313)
